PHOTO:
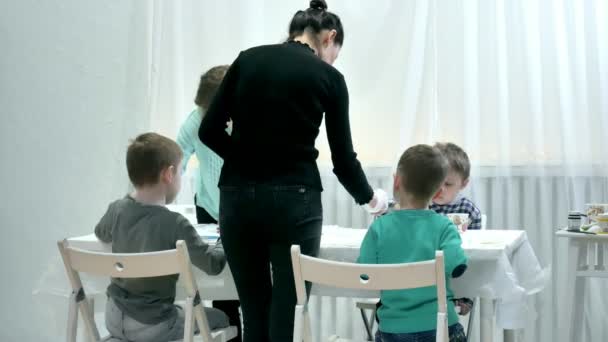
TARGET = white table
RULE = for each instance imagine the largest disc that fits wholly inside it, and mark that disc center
(503, 270)
(586, 259)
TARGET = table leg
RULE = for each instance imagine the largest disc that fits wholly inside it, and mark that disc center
(576, 318)
(487, 314)
(577, 258)
(510, 335)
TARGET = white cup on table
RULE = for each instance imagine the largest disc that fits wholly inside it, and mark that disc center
(460, 220)
(602, 221)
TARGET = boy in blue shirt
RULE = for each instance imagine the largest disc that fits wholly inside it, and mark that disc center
(207, 198)
(411, 234)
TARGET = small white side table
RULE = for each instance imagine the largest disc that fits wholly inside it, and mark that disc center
(585, 260)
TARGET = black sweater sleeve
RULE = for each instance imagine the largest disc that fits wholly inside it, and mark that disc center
(212, 131)
(346, 166)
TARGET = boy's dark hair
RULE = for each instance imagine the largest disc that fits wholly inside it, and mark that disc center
(457, 157)
(423, 169)
(148, 155)
(316, 18)
(210, 82)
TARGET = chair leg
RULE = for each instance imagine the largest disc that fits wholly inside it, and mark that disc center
(72, 319)
(91, 301)
(298, 324)
(366, 323)
(307, 327)
(442, 334)
(189, 321)
(471, 317)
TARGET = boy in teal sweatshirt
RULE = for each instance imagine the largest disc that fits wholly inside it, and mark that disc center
(413, 234)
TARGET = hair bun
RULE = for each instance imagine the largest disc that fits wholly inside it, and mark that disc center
(318, 4)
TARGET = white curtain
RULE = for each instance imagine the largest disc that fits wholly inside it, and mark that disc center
(521, 84)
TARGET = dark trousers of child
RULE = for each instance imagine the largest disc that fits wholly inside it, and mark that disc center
(456, 333)
(229, 307)
(258, 226)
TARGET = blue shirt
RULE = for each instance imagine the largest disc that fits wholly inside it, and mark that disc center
(210, 164)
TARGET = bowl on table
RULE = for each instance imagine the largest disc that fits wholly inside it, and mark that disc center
(596, 209)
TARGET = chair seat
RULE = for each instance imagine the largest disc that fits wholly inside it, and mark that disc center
(339, 339)
(110, 339)
(367, 304)
(230, 333)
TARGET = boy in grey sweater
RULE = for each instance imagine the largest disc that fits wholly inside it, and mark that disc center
(143, 309)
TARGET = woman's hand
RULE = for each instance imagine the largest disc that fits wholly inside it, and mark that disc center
(379, 203)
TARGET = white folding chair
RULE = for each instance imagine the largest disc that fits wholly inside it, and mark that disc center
(135, 265)
(365, 277)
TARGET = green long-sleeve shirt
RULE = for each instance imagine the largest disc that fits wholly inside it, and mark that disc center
(405, 236)
(207, 176)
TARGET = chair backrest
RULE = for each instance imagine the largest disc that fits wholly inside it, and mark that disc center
(129, 265)
(372, 277)
(367, 277)
(124, 265)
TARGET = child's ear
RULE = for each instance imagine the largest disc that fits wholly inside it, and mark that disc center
(167, 174)
(465, 183)
(396, 182)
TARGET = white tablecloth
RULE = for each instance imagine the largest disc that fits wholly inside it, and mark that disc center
(502, 266)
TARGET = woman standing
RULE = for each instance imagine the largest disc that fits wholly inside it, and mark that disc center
(270, 187)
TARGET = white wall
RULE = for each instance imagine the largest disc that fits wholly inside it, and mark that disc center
(67, 111)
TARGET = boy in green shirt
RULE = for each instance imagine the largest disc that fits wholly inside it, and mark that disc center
(413, 234)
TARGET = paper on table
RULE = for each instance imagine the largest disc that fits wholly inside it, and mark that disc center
(207, 231)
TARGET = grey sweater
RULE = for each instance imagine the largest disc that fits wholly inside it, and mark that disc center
(133, 227)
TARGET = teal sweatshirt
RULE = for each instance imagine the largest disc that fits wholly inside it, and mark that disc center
(210, 164)
(410, 236)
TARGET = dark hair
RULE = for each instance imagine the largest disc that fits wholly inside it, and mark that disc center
(316, 18)
(422, 169)
(148, 155)
(457, 157)
(210, 82)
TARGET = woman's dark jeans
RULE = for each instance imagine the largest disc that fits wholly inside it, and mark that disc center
(259, 224)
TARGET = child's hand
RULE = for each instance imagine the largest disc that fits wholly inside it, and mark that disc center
(465, 306)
